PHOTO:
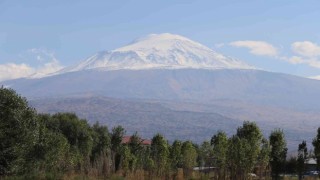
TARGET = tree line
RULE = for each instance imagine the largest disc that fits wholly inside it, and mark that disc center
(47, 146)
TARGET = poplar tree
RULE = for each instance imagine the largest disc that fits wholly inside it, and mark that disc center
(205, 154)
(100, 150)
(316, 146)
(189, 154)
(278, 152)
(219, 143)
(116, 146)
(251, 137)
(176, 155)
(264, 156)
(302, 158)
(160, 154)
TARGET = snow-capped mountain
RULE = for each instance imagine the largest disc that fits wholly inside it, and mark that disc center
(173, 70)
(166, 51)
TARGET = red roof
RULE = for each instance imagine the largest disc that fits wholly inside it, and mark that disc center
(146, 142)
(126, 140)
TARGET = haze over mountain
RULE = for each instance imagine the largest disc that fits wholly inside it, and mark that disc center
(183, 75)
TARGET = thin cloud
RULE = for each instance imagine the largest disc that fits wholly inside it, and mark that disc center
(306, 48)
(306, 52)
(47, 63)
(309, 53)
(292, 59)
(219, 45)
(313, 62)
(47, 69)
(259, 48)
(14, 71)
(315, 77)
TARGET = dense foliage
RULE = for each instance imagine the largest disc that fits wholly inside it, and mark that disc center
(62, 143)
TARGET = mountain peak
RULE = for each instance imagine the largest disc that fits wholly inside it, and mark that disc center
(164, 41)
(168, 51)
(162, 36)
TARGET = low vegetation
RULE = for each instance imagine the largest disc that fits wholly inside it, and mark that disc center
(62, 146)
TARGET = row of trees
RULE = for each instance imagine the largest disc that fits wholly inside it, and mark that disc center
(32, 143)
(62, 143)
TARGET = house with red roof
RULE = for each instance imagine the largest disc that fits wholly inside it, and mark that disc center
(144, 142)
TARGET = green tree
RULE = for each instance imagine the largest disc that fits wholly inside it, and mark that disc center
(189, 157)
(160, 154)
(302, 158)
(135, 145)
(251, 137)
(137, 152)
(176, 155)
(205, 155)
(126, 159)
(244, 150)
(100, 151)
(219, 143)
(51, 149)
(116, 146)
(264, 156)
(237, 157)
(278, 152)
(148, 163)
(316, 146)
(19, 131)
(50, 154)
(79, 135)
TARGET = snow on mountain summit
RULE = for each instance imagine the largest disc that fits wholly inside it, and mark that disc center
(159, 51)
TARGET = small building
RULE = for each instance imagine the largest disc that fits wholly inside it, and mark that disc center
(311, 165)
(144, 142)
(205, 169)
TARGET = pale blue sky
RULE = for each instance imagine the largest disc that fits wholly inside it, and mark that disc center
(34, 32)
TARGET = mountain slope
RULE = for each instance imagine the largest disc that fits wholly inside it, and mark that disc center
(185, 120)
(159, 51)
(198, 85)
(145, 117)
